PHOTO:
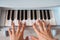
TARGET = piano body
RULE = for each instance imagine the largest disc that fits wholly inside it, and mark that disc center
(25, 15)
(29, 14)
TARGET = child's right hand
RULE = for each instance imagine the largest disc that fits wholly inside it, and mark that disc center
(44, 32)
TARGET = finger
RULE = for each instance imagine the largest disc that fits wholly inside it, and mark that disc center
(49, 30)
(20, 36)
(13, 29)
(39, 23)
(19, 26)
(33, 38)
(38, 33)
(35, 29)
(9, 31)
(44, 26)
(49, 27)
(23, 27)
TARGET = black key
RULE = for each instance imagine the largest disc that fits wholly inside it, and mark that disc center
(48, 14)
(21, 14)
(12, 17)
(25, 14)
(18, 15)
(8, 16)
(44, 14)
(31, 14)
(35, 14)
(41, 17)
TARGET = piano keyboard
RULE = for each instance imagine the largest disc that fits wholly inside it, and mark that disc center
(29, 16)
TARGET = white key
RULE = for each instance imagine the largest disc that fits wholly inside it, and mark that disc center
(43, 14)
(24, 14)
(30, 21)
(28, 14)
(8, 22)
(53, 21)
(6, 18)
(28, 17)
(33, 21)
(38, 14)
(15, 20)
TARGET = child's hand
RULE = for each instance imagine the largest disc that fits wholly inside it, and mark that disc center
(44, 32)
(18, 34)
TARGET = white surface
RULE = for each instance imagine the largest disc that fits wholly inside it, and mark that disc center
(28, 3)
(57, 14)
